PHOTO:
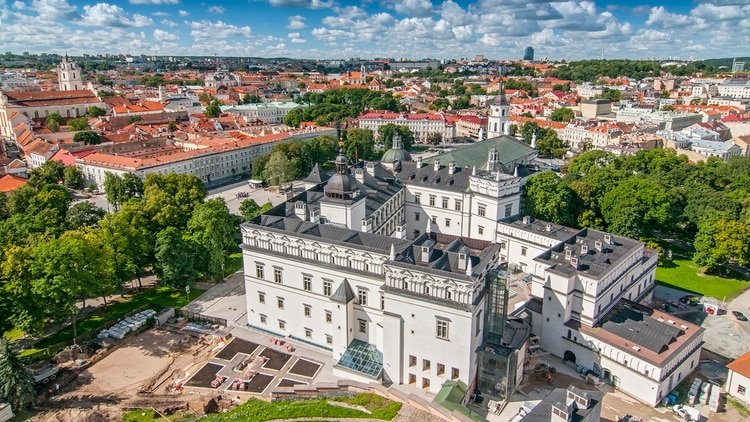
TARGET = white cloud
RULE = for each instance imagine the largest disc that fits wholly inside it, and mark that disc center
(296, 22)
(153, 2)
(53, 10)
(164, 36)
(183, 13)
(295, 38)
(169, 23)
(19, 5)
(217, 10)
(105, 14)
(419, 8)
(207, 29)
(659, 16)
(308, 4)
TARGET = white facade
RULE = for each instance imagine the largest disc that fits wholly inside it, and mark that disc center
(69, 75)
(421, 125)
(272, 112)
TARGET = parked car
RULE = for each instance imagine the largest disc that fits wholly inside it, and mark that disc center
(739, 316)
(690, 299)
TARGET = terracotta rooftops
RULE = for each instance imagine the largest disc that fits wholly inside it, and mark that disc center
(741, 365)
(9, 183)
(42, 98)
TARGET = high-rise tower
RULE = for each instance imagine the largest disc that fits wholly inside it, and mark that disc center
(69, 75)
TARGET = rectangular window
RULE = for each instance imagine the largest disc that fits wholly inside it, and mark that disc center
(432, 200)
(282, 325)
(480, 229)
(523, 250)
(362, 295)
(277, 275)
(441, 330)
(425, 364)
(307, 283)
(329, 317)
(416, 216)
(417, 198)
(261, 298)
(382, 301)
(447, 222)
(412, 360)
(444, 202)
(263, 319)
(329, 339)
(434, 219)
(308, 333)
(362, 326)
(508, 210)
(741, 389)
(308, 310)
(454, 373)
(326, 288)
(478, 323)
(481, 210)
(457, 205)
(440, 369)
(280, 302)
(259, 270)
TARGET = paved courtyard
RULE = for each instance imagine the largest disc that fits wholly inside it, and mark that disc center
(260, 195)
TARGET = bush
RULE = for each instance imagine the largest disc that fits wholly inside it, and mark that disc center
(88, 137)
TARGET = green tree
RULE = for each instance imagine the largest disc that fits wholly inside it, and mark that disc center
(129, 234)
(638, 206)
(53, 122)
(83, 214)
(73, 178)
(88, 137)
(610, 94)
(721, 242)
(562, 114)
(175, 258)
(250, 209)
(114, 189)
(16, 382)
(548, 197)
(170, 198)
(213, 109)
(51, 172)
(215, 229)
(435, 138)
(359, 144)
(132, 186)
(440, 104)
(387, 131)
(280, 168)
(80, 123)
(134, 119)
(95, 111)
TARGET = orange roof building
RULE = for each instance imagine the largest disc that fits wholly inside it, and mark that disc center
(738, 378)
(9, 183)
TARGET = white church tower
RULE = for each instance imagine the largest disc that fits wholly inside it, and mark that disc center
(69, 75)
(498, 122)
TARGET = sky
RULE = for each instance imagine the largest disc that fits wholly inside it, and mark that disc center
(329, 29)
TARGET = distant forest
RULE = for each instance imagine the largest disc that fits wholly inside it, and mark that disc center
(592, 70)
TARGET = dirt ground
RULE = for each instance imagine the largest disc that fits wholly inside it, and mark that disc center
(136, 374)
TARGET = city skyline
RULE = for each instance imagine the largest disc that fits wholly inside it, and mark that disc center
(327, 29)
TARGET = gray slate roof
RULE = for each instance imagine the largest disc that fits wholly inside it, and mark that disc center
(641, 329)
(344, 294)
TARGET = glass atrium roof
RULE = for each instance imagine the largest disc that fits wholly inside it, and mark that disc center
(363, 358)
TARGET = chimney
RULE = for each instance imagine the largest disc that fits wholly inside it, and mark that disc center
(392, 254)
(548, 227)
(436, 165)
(370, 166)
(584, 249)
(598, 245)
(526, 219)
(574, 262)
(562, 412)
(419, 162)
(359, 175)
(452, 167)
(474, 170)
(469, 268)
(300, 210)
(568, 254)
(608, 239)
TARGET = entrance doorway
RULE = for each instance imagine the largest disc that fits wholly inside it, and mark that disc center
(569, 356)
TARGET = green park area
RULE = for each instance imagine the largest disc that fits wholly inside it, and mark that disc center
(259, 411)
(685, 274)
(158, 298)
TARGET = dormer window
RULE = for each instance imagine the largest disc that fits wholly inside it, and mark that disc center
(425, 254)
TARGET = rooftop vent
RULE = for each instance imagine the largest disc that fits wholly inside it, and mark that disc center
(636, 348)
(683, 326)
(598, 245)
(584, 249)
(548, 227)
(526, 219)
(568, 254)
(436, 165)
(608, 239)
(671, 321)
(574, 262)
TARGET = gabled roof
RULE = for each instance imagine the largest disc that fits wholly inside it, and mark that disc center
(510, 151)
(9, 183)
(741, 365)
(317, 175)
(344, 294)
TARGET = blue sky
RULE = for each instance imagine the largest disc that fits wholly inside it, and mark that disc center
(380, 28)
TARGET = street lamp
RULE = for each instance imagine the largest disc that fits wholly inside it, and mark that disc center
(187, 292)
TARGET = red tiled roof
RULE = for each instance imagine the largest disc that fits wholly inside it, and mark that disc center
(741, 365)
(9, 183)
(43, 98)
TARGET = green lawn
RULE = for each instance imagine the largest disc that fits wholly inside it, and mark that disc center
(158, 297)
(259, 411)
(685, 274)
(232, 263)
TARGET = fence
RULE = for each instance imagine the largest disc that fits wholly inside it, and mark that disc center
(191, 315)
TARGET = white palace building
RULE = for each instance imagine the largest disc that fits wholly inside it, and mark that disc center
(403, 271)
